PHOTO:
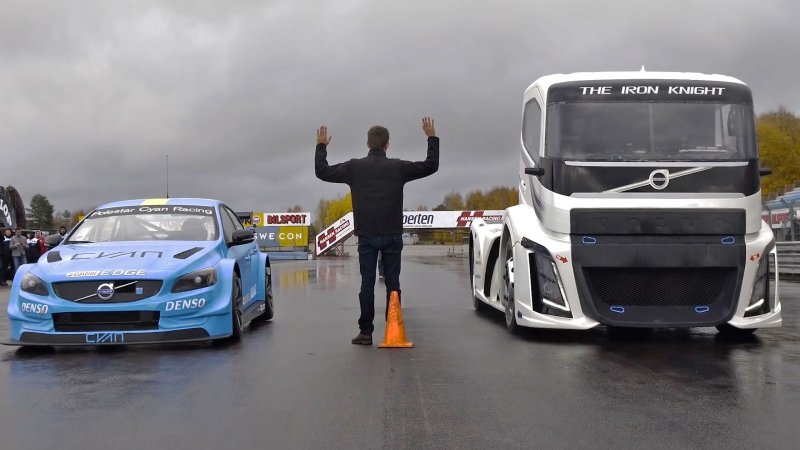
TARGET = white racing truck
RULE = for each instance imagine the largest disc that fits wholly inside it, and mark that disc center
(640, 206)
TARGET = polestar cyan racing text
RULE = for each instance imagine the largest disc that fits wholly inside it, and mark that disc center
(144, 271)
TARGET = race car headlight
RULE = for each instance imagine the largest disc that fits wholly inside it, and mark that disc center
(33, 284)
(196, 280)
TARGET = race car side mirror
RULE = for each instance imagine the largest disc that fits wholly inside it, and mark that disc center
(764, 171)
(240, 237)
(535, 171)
(52, 240)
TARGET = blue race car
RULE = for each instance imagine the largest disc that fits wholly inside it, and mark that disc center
(144, 271)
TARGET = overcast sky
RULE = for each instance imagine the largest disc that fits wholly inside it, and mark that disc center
(94, 94)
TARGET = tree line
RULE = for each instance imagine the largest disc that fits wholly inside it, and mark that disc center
(779, 149)
(42, 215)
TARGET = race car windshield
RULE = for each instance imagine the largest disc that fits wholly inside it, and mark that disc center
(650, 131)
(147, 224)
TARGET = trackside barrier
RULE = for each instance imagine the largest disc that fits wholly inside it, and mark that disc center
(789, 258)
(337, 232)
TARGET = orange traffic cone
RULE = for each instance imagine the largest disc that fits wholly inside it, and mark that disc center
(395, 335)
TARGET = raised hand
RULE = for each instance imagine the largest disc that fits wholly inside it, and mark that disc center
(428, 126)
(322, 135)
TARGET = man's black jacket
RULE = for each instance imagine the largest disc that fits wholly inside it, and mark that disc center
(376, 184)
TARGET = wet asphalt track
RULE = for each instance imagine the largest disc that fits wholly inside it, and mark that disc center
(298, 382)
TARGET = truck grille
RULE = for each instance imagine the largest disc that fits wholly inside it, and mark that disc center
(659, 286)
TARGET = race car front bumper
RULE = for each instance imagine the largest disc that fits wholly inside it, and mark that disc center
(201, 314)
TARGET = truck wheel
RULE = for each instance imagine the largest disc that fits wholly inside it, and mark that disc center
(730, 331)
(476, 303)
(471, 262)
(508, 289)
(479, 305)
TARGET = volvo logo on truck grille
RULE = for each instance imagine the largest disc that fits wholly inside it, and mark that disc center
(659, 179)
(105, 291)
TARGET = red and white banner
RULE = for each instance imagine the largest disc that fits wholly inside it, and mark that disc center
(780, 217)
(448, 219)
(344, 227)
(337, 232)
(298, 219)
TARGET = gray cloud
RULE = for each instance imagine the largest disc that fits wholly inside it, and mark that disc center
(95, 94)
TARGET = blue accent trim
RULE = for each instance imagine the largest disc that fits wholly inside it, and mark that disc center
(701, 309)
(589, 240)
(728, 240)
(618, 309)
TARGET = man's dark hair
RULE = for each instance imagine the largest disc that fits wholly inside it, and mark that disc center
(377, 137)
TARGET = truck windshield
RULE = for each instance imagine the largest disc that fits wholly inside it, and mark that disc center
(650, 131)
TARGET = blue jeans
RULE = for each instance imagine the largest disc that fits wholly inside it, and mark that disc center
(390, 248)
(18, 261)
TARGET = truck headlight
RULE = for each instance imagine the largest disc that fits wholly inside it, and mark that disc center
(196, 280)
(33, 284)
(760, 298)
(549, 283)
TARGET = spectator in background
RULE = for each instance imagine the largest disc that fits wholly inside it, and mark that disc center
(62, 231)
(19, 245)
(42, 247)
(5, 257)
(33, 251)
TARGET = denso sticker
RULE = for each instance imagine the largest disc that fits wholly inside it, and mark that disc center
(106, 273)
(33, 308)
(180, 305)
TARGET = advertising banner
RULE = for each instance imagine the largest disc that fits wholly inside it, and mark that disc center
(286, 236)
(344, 227)
(779, 217)
(6, 216)
(337, 232)
(257, 219)
(300, 219)
(448, 219)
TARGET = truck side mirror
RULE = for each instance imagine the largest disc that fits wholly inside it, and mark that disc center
(535, 171)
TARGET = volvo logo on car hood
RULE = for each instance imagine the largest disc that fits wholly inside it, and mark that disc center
(105, 291)
(659, 179)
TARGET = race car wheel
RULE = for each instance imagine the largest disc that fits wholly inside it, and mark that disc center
(508, 289)
(269, 309)
(730, 331)
(237, 304)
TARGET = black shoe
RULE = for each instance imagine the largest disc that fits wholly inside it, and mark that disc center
(362, 339)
